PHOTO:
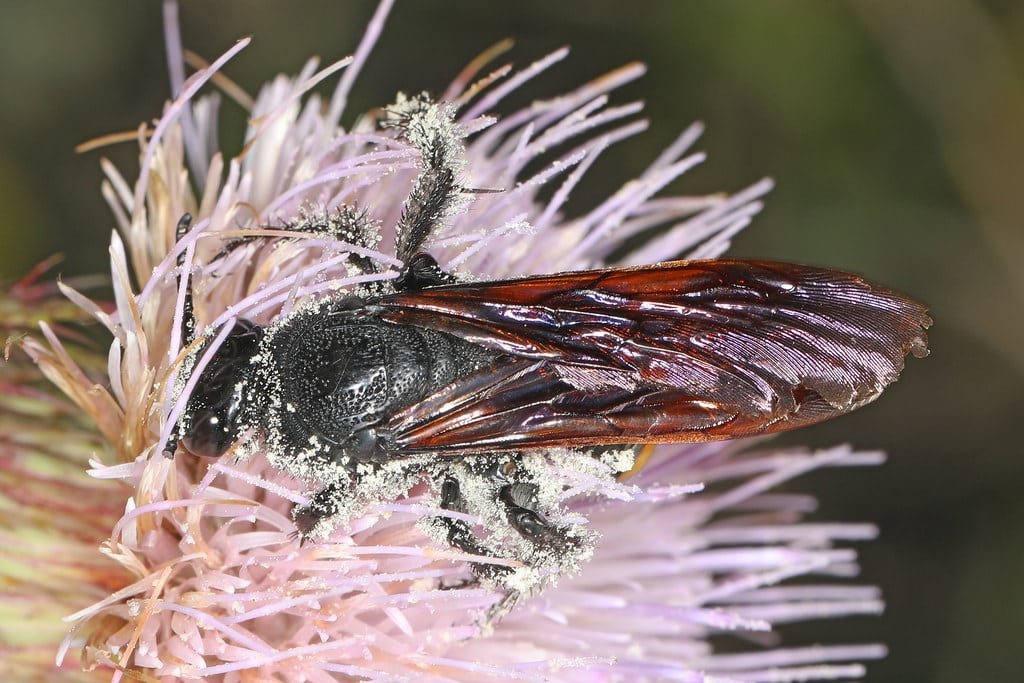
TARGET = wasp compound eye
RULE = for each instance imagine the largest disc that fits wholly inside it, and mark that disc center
(210, 434)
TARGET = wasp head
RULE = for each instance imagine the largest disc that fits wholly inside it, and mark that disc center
(220, 404)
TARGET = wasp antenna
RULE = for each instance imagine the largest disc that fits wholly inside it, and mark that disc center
(188, 320)
(184, 223)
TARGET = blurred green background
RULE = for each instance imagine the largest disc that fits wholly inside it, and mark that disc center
(895, 132)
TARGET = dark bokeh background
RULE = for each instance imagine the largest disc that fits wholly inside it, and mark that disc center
(895, 131)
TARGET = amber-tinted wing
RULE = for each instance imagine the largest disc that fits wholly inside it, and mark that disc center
(681, 351)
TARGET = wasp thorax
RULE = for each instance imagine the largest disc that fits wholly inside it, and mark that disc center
(337, 376)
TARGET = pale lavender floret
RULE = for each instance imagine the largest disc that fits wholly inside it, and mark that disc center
(695, 545)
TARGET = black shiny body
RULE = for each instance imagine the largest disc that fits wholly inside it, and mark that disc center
(341, 373)
(323, 381)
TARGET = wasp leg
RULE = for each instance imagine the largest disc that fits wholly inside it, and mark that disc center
(461, 536)
(420, 272)
(520, 499)
(459, 533)
(324, 504)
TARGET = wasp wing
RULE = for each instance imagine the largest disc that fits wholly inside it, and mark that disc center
(681, 351)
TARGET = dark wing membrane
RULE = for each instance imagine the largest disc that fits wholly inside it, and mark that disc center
(682, 351)
(525, 404)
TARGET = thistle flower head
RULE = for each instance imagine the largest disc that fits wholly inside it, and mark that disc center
(209, 580)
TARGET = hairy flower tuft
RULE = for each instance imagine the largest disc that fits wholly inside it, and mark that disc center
(205, 578)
